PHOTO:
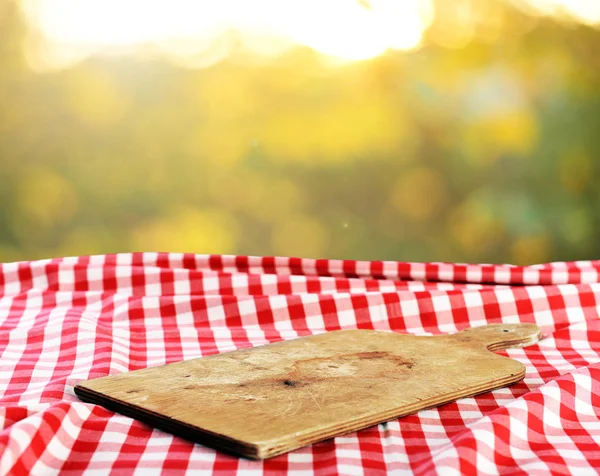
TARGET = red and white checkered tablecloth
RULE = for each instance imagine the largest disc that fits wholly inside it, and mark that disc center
(66, 320)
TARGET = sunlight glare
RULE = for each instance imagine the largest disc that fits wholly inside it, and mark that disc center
(344, 29)
(585, 11)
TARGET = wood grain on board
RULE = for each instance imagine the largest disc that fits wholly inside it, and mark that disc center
(268, 400)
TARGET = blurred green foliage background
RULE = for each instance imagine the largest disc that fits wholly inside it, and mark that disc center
(481, 148)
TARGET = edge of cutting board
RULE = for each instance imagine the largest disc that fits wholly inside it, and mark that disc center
(269, 449)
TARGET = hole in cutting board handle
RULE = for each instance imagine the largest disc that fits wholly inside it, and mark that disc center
(502, 336)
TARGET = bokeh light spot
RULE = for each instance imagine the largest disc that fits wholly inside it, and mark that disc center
(418, 193)
(299, 235)
(189, 231)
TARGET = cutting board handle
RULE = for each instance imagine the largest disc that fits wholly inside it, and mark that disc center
(500, 336)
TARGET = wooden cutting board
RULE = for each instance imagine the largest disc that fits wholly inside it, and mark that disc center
(269, 400)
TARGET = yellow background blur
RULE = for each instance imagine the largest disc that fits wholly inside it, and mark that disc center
(452, 130)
